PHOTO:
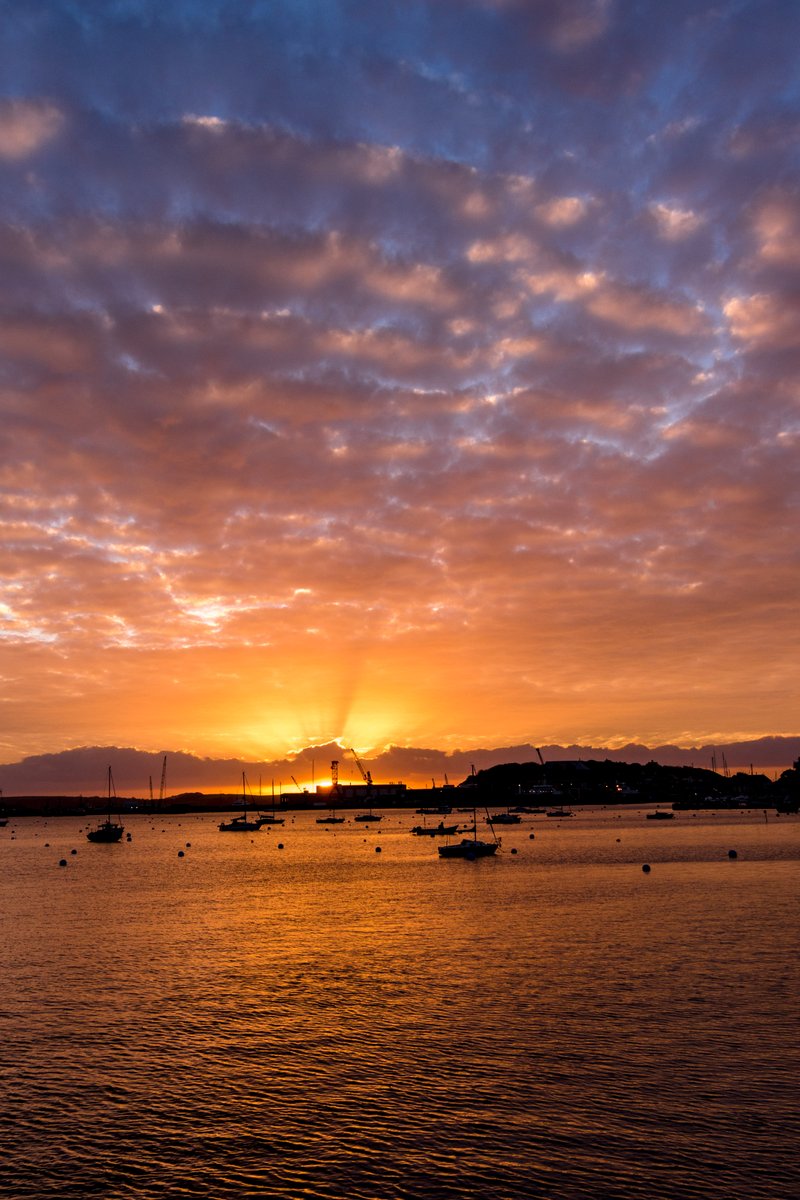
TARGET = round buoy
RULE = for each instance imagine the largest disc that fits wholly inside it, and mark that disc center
(646, 868)
(514, 851)
(732, 854)
(619, 839)
(531, 837)
(180, 854)
(63, 862)
(47, 845)
(73, 851)
(188, 845)
(280, 845)
(377, 849)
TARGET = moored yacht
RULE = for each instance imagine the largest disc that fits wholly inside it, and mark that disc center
(241, 823)
(471, 847)
(109, 830)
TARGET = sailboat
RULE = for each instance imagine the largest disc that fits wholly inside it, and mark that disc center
(503, 818)
(108, 830)
(332, 819)
(368, 816)
(240, 824)
(471, 848)
(269, 818)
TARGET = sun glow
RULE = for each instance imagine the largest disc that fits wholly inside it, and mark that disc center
(325, 425)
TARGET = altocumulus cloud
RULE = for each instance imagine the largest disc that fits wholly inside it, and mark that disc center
(393, 374)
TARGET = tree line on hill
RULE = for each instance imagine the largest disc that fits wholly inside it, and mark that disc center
(608, 782)
(556, 782)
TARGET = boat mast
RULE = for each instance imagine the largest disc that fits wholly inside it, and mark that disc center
(111, 790)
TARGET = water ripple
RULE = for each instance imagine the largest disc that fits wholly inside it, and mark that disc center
(556, 1025)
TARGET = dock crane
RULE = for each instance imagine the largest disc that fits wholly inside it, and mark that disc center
(163, 789)
(365, 775)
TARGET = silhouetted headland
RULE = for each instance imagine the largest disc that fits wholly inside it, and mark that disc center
(527, 784)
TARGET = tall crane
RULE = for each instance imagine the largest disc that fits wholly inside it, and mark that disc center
(365, 775)
(162, 791)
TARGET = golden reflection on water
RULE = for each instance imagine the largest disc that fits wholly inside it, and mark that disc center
(323, 1020)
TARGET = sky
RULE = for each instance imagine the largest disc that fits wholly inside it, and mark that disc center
(416, 375)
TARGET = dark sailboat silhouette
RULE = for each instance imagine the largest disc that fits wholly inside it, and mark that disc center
(108, 830)
(243, 823)
(474, 847)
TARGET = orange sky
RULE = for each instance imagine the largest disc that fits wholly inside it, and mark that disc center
(444, 398)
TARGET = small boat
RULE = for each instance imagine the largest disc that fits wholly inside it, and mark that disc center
(435, 810)
(242, 823)
(270, 818)
(108, 830)
(332, 818)
(368, 816)
(559, 812)
(661, 814)
(440, 830)
(506, 818)
(470, 848)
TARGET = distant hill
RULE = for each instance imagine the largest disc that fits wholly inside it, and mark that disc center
(83, 771)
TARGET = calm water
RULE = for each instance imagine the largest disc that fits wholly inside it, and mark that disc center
(325, 1021)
